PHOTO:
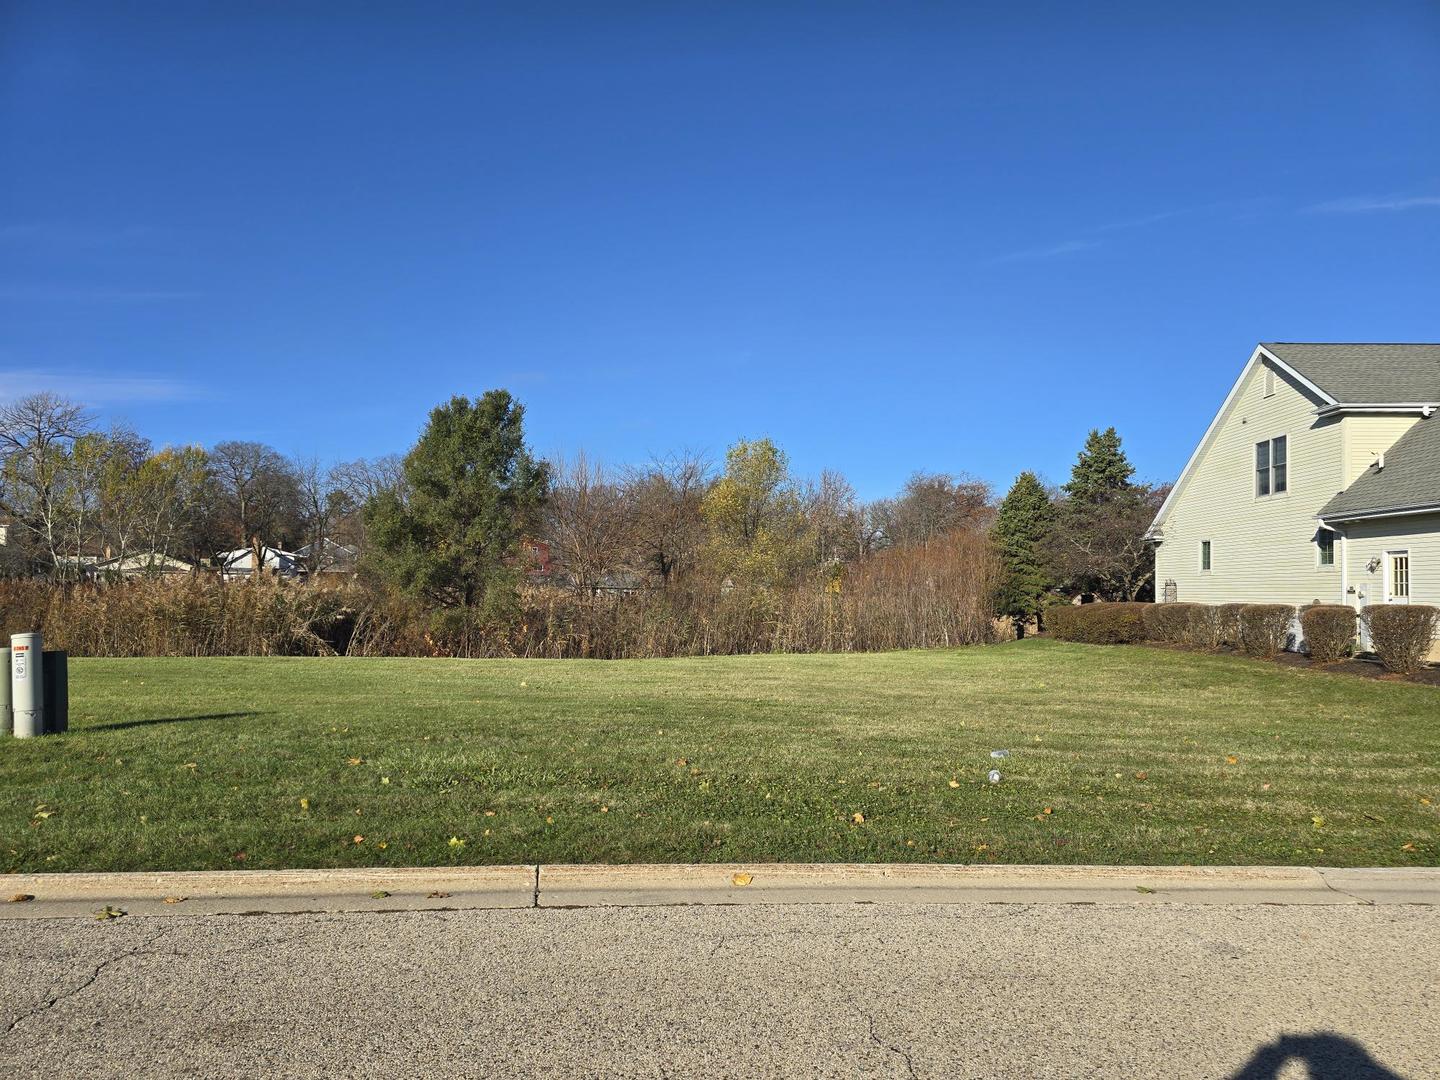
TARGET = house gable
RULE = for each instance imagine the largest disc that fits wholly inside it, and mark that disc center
(1252, 380)
(1261, 546)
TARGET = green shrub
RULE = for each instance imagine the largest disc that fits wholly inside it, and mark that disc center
(1228, 617)
(1203, 627)
(1264, 628)
(1401, 634)
(1099, 624)
(1061, 621)
(1329, 631)
(1168, 623)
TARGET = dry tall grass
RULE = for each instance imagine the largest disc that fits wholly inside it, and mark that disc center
(936, 595)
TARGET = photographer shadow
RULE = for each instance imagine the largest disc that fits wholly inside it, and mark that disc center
(1327, 1057)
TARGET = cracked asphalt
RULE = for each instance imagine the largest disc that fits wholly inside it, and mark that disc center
(969, 990)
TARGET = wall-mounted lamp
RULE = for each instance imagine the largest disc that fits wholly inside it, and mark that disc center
(1373, 564)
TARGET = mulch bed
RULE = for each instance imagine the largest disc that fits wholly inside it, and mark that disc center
(1364, 667)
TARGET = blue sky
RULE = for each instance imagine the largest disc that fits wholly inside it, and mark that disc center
(890, 236)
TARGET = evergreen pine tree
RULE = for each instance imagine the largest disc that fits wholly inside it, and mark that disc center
(1020, 528)
(471, 487)
(1101, 470)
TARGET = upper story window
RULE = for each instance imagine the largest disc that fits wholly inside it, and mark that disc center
(1204, 554)
(1269, 390)
(1271, 467)
(1325, 543)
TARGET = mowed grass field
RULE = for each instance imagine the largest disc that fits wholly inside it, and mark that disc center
(1117, 755)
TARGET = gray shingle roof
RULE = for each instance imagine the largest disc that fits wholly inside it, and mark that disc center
(1410, 479)
(1366, 374)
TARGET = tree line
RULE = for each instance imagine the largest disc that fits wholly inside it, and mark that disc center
(470, 522)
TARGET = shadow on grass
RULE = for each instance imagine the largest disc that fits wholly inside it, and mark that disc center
(1326, 1055)
(120, 725)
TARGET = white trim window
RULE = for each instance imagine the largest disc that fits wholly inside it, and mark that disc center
(1325, 549)
(1272, 467)
(1205, 556)
(1397, 577)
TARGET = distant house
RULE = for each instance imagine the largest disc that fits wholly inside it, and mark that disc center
(1319, 479)
(240, 563)
(332, 558)
(149, 564)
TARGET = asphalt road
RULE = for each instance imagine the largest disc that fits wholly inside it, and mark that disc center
(969, 990)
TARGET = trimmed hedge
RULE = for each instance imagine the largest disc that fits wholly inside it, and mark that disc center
(1203, 627)
(1264, 628)
(1098, 624)
(1228, 616)
(1401, 634)
(1168, 623)
(1261, 629)
(1329, 631)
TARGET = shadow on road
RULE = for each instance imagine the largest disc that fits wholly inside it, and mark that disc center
(120, 725)
(1327, 1056)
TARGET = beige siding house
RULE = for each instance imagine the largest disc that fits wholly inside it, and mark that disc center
(1318, 480)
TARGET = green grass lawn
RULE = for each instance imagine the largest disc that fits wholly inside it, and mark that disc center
(1118, 755)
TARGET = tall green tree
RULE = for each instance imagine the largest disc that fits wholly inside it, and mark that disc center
(1022, 524)
(1101, 471)
(449, 535)
(756, 517)
(1097, 543)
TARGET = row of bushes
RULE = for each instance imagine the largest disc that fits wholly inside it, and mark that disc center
(1400, 634)
(938, 595)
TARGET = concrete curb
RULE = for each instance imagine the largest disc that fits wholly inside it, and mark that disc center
(436, 889)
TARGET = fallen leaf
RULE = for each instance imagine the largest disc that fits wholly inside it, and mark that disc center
(379, 894)
(354, 761)
(858, 818)
(240, 856)
(456, 842)
(604, 809)
(1424, 801)
(489, 813)
(1264, 787)
(1143, 889)
(1232, 760)
(359, 839)
(1317, 821)
(1403, 847)
(741, 879)
(382, 845)
(304, 804)
(1142, 776)
(175, 899)
(954, 783)
(108, 912)
(1048, 810)
(384, 779)
(22, 897)
(437, 896)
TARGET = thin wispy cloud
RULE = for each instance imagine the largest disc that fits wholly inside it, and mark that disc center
(1091, 236)
(94, 388)
(1054, 251)
(1374, 204)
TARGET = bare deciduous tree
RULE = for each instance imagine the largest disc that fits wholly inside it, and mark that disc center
(587, 524)
(664, 500)
(259, 492)
(37, 433)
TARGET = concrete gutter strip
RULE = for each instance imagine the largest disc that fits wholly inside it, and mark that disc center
(638, 886)
(241, 892)
(458, 888)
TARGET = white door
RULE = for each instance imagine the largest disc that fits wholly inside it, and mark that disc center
(1397, 577)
